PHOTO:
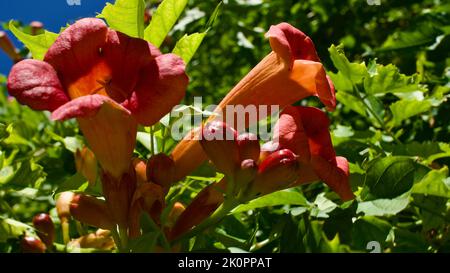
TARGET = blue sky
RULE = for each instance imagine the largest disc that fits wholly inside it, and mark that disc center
(53, 13)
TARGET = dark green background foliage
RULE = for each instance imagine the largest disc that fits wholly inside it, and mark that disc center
(390, 66)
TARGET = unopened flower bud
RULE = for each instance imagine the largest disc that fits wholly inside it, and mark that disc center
(219, 143)
(91, 211)
(101, 239)
(245, 174)
(140, 167)
(161, 170)
(45, 228)
(248, 146)
(63, 204)
(174, 213)
(86, 164)
(7, 46)
(276, 172)
(30, 244)
(36, 27)
(267, 149)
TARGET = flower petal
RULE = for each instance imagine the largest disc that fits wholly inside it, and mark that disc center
(335, 176)
(109, 129)
(304, 130)
(291, 44)
(126, 57)
(76, 56)
(36, 84)
(162, 85)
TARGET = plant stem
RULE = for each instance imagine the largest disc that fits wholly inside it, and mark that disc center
(123, 235)
(65, 230)
(381, 122)
(152, 141)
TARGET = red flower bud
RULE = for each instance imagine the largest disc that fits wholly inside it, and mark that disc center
(45, 228)
(276, 172)
(36, 27)
(7, 46)
(219, 143)
(91, 211)
(32, 245)
(267, 149)
(248, 146)
(161, 170)
(245, 174)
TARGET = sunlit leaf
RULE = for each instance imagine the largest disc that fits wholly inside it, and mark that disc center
(435, 183)
(188, 45)
(38, 44)
(163, 20)
(126, 16)
(405, 109)
(286, 197)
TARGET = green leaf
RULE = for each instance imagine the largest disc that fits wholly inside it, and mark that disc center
(382, 207)
(354, 72)
(423, 34)
(145, 243)
(38, 44)
(126, 16)
(287, 197)
(388, 79)
(76, 182)
(10, 228)
(389, 177)
(26, 174)
(435, 183)
(377, 113)
(322, 206)
(369, 228)
(405, 109)
(188, 45)
(351, 102)
(163, 20)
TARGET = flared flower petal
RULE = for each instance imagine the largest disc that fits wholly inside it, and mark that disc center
(36, 84)
(109, 129)
(304, 130)
(77, 56)
(291, 72)
(162, 85)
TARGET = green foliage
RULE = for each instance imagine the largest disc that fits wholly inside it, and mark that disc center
(126, 16)
(38, 44)
(163, 20)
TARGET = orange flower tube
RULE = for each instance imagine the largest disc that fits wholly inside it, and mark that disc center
(291, 72)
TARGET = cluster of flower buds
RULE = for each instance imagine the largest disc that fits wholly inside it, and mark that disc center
(45, 230)
(248, 172)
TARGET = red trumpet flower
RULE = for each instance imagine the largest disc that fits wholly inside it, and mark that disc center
(108, 81)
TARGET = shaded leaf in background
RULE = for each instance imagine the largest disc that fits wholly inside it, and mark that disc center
(389, 177)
